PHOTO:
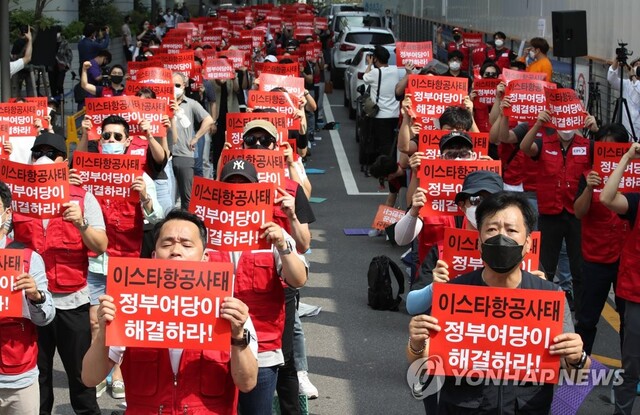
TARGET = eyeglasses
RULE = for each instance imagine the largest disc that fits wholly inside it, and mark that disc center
(264, 140)
(178, 85)
(52, 154)
(491, 74)
(107, 135)
(456, 154)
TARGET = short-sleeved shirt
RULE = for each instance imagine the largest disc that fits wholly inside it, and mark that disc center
(632, 200)
(194, 112)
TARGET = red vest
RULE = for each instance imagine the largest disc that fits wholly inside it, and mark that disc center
(481, 115)
(108, 92)
(503, 58)
(481, 54)
(258, 285)
(203, 385)
(628, 283)
(603, 232)
(139, 147)
(465, 52)
(558, 176)
(60, 245)
(279, 217)
(18, 338)
(432, 233)
(124, 223)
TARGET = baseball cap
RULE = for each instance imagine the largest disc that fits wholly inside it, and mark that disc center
(52, 140)
(270, 58)
(456, 29)
(455, 137)
(478, 181)
(239, 167)
(263, 125)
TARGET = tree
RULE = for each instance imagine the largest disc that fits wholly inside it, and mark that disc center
(40, 6)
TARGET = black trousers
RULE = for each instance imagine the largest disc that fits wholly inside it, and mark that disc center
(287, 385)
(553, 229)
(70, 333)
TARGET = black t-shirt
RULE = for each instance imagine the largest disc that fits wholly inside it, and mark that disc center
(303, 207)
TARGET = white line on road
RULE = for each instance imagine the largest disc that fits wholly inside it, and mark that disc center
(345, 169)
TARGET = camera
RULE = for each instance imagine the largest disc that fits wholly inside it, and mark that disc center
(622, 53)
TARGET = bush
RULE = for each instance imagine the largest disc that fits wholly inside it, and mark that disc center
(73, 32)
(102, 13)
(19, 17)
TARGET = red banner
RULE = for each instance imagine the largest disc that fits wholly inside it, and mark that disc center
(37, 191)
(460, 251)
(607, 157)
(169, 304)
(431, 95)
(499, 333)
(237, 120)
(509, 75)
(10, 268)
(527, 98)
(386, 216)
(282, 102)
(293, 85)
(284, 69)
(269, 164)
(232, 212)
(567, 111)
(429, 143)
(21, 118)
(109, 176)
(132, 109)
(219, 69)
(485, 90)
(442, 179)
(420, 53)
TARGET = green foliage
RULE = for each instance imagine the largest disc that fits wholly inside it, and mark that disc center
(19, 17)
(73, 31)
(101, 13)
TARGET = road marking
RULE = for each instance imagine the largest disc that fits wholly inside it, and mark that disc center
(607, 360)
(612, 317)
(343, 162)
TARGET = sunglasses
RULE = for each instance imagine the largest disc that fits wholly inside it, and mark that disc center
(178, 85)
(52, 154)
(264, 140)
(491, 74)
(107, 135)
(456, 154)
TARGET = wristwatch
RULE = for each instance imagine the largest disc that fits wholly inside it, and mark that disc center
(84, 226)
(43, 298)
(244, 341)
(581, 362)
(286, 251)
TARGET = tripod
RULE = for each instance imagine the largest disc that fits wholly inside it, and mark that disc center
(593, 105)
(621, 103)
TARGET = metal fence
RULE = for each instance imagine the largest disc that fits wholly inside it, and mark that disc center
(415, 29)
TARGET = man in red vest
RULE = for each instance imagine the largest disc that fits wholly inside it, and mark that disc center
(457, 44)
(194, 381)
(65, 243)
(19, 390)
(628, 283)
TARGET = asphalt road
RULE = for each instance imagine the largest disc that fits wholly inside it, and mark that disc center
(356, 355)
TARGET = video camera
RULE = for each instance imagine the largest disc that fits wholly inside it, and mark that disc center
(622, 53)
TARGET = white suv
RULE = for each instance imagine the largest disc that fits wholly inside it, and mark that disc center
(350, 41)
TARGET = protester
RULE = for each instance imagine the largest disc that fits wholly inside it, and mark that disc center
(127, 39)
(537, 53)
(503, 55)
(116, 79)
(457, 44)
(89, 45)
(181, 236)
(19, 389)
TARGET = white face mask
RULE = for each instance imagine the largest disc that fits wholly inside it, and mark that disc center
(112, 148)
(532, 54)
(499, 43)
(470, 214)
(566, 135)
(178, 92)
(43, 160)
(454, 66)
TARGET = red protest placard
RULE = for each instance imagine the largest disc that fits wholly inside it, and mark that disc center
(178, 62)
(4, 138)
(132, 109)
(293, 85)
(155, 75)
(527, 98)
(242, 43)
(284, 69)
(429, 143)
(239, 58)
(37, 191)
(386, 216)
(237, 120)
(109, 176)
(420, 53)
(460, 251)
(486, 90)
(473, 40)
(430, 95)
(269, 164)
(322, 23)
(212, 37)
(509, 75)
(499, 333)
(10, 268)
(607, 157)
(442, 179)
(21, 118)
(169, 304)
(42, 108)
(280, 101)
(221, 69)
(567, 111)
(134, 67)
(233, 212)
(164, 92)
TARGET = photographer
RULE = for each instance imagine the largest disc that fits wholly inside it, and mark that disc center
(630, 87)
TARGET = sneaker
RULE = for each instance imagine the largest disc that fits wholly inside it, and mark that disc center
(100, 388)
(375, 232)
(117, 389)
(305, 386)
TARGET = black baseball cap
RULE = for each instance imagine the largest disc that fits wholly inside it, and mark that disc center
(478, 181)
(455, 137)
(52, 140)
(239, 167)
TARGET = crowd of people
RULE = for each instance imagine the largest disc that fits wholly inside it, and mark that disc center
(547, 183)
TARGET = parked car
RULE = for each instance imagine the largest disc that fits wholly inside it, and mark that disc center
(353, 76)
(343, 20)
(350, 41)
(334, 9)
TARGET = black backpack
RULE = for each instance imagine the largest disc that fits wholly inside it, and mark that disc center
(380, 290)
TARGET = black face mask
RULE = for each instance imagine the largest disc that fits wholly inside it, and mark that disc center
(117, 79)
(501, 253)
(457, 38)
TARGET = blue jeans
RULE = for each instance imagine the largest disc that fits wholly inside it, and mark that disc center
(299, 347)
(260, 399)
(563, 272)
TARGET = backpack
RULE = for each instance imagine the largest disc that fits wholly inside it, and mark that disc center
(380, 290)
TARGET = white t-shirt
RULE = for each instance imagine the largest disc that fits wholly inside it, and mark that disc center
(388, 104)
(16, 66)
